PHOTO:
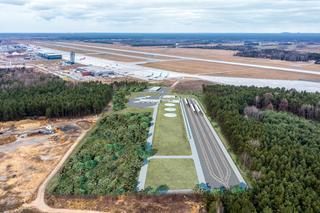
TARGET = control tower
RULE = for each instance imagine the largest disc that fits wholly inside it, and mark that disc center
(72, 57)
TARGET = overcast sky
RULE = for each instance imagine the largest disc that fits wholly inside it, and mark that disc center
(160, 16)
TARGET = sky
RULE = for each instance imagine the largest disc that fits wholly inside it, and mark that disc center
(152, 16)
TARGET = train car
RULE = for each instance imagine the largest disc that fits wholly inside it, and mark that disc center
(197, 106)
(192, 107)
(186, 102)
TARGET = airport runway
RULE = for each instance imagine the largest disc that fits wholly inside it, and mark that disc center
(145, 73)
(73, 45)
(216, 168)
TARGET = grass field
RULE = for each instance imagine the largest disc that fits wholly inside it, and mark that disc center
(216, 69)
(175, 173)
(170, 136)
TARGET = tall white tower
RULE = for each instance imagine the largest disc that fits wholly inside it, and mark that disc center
(72, 57)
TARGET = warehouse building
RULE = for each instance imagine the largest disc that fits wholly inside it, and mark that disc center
(50, 56)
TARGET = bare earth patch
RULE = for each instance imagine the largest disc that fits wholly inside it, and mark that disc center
(24, 164)
(131, 203)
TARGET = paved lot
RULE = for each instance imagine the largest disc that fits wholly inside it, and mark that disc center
(144, 101)
(216, 168)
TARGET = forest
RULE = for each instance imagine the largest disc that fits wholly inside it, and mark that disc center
(285, 55)
(123, 89)
(109, 160)
(28, 94)
(276, 136)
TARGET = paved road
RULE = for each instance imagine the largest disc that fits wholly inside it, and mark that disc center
(73, 45)
(143, 171)
(95, 51)
(216, 168)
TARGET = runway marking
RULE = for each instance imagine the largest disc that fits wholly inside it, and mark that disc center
(99, 51)
(220, 161)
(206, 143)
(285, 69)
(202, 148)
(205, 124)
(206, 158)
(214, 142)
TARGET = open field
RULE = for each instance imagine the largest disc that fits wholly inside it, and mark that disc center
(216, 69)
(225, 55)
(169, 60)
(93, 53)
(170, 137)
(175, 173)
(26, 162)
(96, 49)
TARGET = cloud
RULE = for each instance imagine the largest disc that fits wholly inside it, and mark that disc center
(13, 2)
(231, 15)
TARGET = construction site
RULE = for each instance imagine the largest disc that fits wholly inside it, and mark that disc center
(29, 150)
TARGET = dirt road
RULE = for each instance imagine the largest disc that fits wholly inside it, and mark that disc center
(39, 202)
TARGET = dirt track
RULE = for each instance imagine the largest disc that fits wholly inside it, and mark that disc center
(28, 159)
(39, 202)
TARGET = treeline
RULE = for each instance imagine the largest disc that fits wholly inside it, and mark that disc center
(278, 54)
(26, 92)
(279, 149)
(130, 86)
(221, 47)
(303, 104)
(124, 88)
(56, 98)
(109, 160)
(15, 77)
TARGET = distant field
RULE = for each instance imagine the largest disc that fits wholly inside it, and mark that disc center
(216, 69)
(213, 54)
(170, 137)
(175, 173)
(192, 66)
(93, 48)
(93, 53)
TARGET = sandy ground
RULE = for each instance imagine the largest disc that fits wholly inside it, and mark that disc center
(224, 55)
(26, 162)
(132, 203)
(209, 68)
